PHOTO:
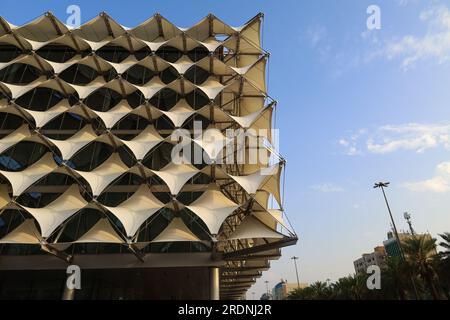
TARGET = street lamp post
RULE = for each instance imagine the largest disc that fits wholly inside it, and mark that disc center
(296, 271)
(267, 287)
(382, 185)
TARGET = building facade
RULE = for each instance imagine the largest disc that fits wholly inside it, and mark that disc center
(377, 257)
(283, 288)
(138, 154)
(392, 247)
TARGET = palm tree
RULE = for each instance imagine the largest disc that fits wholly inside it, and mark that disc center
(320, 290)
(445, 244)
(443, 264)
(394, 276)
(419, 251)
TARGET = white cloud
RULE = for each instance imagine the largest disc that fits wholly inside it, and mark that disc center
(440, 183)
(316, 34)
(433, 46)
(390, 138)
(326, 188)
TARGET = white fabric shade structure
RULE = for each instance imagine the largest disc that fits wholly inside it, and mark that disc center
(136, 209)
(99, 178)
(176, 231)
(271, 217)
(179, 113)
(176, 175)
(144, 142)
(252, 228)
(101, 232)
(72, 145)
(15, 137)
(25, 233)
(53, 215)
(213, 207)
(147, 101)
(21, 180)
(212, 141)
(261, 179)
(112, 116)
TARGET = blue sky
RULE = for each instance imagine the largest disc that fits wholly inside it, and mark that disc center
(355, 107)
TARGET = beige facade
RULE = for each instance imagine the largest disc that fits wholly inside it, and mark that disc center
(88, 120)
(377, 257)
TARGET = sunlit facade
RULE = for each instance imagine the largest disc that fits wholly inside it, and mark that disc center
(88, 117)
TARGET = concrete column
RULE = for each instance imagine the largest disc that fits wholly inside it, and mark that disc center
(214, 283)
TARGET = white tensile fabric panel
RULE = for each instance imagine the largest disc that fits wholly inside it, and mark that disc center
(21, 180)
(143, 142)
(26, 233)
(151, 88)
(136, 209)
(176, 231)
(149, 29)
(101, 232)
(51, 216)
(183, 64)
(213, 207)
(213, 142)
(179, 113)
(59, 67)
(252, 228)
(263, 125)
(14, 137)
(41, 29)
(218, 67)
(256, 74)
(104, 174)
(16, 91)
(211, 44)
(211, 88)
(252, 182)
(272, 185)
(124, 65)
(176, 175)
(28, 60)
(112, 116)
(5, 199)
(85, 90)
(247, 120)
(98, 28)
(271, 217)
(41, 118)
(76, 142)
(262, 198)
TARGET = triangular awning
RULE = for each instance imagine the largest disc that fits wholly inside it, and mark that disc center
(213, 207)
(176, 231)
(101, 232)
(252, 228)
(51, 216)
(26, 233)
(136, 209)
(176, 175)
(21, 180)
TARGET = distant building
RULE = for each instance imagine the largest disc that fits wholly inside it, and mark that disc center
(377, 257)
(392, 247)
(283, 288)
